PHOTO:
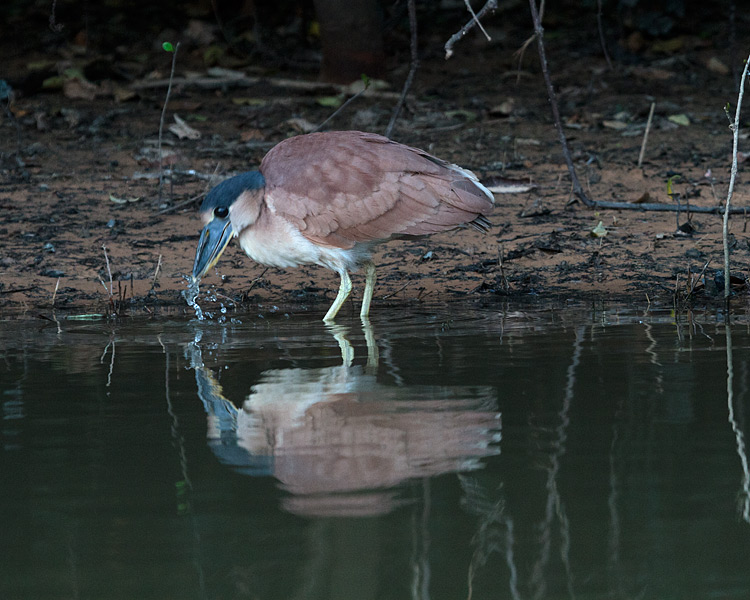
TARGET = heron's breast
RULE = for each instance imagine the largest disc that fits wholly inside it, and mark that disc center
(275, 242)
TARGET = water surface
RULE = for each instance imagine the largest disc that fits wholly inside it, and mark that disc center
(518, 453)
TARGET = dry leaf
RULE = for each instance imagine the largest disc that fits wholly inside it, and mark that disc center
(79, 89)
(504, 109)
(301, 124)
(716, 66)
(618, 125)
(117, 200)
(182, 130)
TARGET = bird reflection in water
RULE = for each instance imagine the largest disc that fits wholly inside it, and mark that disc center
(340, 441)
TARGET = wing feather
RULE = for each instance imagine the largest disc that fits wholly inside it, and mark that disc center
(341, 188)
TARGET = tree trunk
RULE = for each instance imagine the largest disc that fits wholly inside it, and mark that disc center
(351, 33)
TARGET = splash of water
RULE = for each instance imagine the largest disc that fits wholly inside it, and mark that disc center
(191, 294)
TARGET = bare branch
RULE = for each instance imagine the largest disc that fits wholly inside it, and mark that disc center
(491, 5)
(577, 189)
(736, 131)
(412, 68)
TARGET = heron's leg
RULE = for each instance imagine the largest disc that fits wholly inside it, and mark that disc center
(344, 290)
(339, 333)
(373, 355)
(370, 278)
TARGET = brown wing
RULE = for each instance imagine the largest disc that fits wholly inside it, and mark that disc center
(344, 187)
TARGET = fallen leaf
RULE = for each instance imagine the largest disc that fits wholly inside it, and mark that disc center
(617, 125)
(652, 74)
(301, 124)
(680, 119)
(669, 46)
(645, 198)
(599, 231)
(244, 101)
(223, 73)
(182, 130)
(117, 200)
(504, 109)
(330, 101)
(79, 89)
(122, 94)
(716, 66)
(466, 115)
(251, 134)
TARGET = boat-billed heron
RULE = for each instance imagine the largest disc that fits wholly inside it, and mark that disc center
(328, 198)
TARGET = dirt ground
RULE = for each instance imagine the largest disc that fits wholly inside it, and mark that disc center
(79, 174)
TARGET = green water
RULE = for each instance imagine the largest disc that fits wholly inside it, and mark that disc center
(519, 453)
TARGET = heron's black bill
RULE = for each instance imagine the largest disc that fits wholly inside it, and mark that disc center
(214, 239)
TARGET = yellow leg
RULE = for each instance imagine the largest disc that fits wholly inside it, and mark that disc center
(344, 290)
(370, 278)
(347, 351)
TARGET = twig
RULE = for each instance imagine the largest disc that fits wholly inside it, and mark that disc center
(660, 207)
(521, 52)
(402, 288)
(6, 93)
(491, 5)
(343, 106)
(163, 114)
(256, 280)
(602, 41)
(476, 20)
(732, 14)
(503, 278)
(735, 127)
(241, 81)
(109, 272)
(53, 24)
(645, 134)
(577, 189)
(54, 294)
(179, 205)
(156, 274)
(414, 64)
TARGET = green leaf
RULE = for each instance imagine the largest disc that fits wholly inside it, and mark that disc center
(599, 231)
(168, 47)
(330, 101)
(680, 119)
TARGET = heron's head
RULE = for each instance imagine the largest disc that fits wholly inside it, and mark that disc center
(227, 209)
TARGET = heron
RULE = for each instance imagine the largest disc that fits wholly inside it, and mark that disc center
(328, 198)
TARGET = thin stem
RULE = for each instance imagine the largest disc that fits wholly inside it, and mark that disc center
(725, 229)
(600, 26)
(645, 134)
(414, 64)
(577, 188)
(163, 114)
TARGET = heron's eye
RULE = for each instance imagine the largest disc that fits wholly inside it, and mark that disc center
(221, 212)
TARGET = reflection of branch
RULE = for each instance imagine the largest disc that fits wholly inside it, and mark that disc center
(111, 344)
(489, 538)
(489, 6)
(555, 505)
(420, 558)
(654, 357)
(738, 434)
